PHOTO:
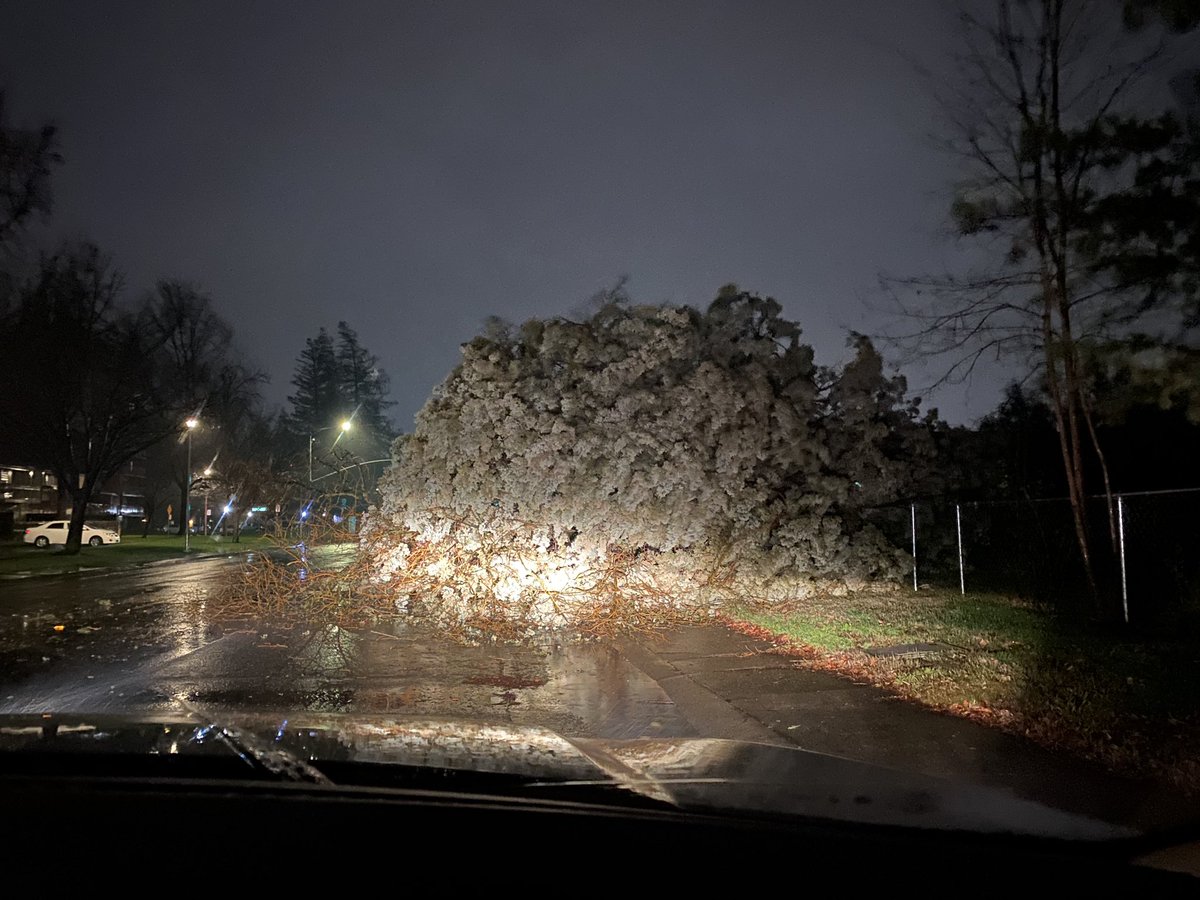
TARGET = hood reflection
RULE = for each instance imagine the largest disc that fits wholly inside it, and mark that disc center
(694, 774)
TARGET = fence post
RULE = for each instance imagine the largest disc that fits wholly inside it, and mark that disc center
(962, 576)
(914, 537)
(1121, 541)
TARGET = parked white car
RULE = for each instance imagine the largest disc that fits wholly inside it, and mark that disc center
(56, 533)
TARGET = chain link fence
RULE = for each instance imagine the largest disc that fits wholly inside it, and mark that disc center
(1145, 548)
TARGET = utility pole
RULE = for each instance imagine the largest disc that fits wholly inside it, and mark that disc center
(187, 506)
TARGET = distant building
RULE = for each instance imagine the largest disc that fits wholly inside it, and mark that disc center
(26, 490)
(125, 493)
(31, 493)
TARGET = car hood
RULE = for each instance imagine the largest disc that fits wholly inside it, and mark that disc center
(699, 775)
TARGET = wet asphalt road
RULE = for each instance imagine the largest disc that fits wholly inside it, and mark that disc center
(143, 641)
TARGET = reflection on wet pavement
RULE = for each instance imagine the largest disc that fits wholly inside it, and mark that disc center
(145, 642)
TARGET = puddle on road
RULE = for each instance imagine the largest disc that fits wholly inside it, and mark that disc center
(149, 644)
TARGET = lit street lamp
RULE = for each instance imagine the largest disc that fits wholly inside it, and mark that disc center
(190, 424)
(344, 427)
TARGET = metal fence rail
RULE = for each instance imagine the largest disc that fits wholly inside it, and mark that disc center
(1145, 548)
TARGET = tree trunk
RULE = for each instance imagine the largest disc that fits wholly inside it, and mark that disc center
(149, 508)
(1110, 506)
(1068, 445)
(79, 499)
(1063, 400)
(1050, 241)
(183, 509)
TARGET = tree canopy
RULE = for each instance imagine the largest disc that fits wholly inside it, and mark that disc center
(318, 400)
(660, 430)
(84, 387)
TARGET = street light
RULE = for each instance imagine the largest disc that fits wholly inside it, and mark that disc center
(208, 470)
(190, 424)
(344, 427)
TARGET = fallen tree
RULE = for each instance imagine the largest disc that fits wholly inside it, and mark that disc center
(647, 464)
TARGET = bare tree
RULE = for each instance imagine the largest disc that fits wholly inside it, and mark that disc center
(1038, 113)
(81, 386)
(203, 371)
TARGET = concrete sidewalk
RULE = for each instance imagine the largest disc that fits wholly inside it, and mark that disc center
(730, 685)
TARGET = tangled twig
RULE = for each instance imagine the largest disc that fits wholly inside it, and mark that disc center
(490, 576)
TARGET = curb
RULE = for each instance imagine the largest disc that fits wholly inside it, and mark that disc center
(171, 560)
(93, 570)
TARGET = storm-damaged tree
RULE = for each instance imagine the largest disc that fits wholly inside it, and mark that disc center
(685, 441)
(1062, 178)
(203, 372)
(83, 385)
(876, 437)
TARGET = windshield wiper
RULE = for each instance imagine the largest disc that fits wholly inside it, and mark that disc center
(269, 759)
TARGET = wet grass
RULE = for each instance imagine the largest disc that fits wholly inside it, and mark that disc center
(19, 558)
(1123, 697)
(844, 631)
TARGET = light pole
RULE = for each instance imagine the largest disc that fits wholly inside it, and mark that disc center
(343, 427)
(204, 513)
(187, 495)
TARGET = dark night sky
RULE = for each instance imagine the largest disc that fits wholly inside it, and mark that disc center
(414, 167)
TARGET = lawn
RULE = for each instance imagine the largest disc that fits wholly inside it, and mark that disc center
(16, 557)
(1124, 698)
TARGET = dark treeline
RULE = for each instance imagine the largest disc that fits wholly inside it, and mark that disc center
(1005, 477)
(96, 376)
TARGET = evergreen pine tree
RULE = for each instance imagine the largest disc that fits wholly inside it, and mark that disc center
(363, 386)
(317, 403)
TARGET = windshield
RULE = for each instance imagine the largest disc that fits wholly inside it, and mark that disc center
(797, 398)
